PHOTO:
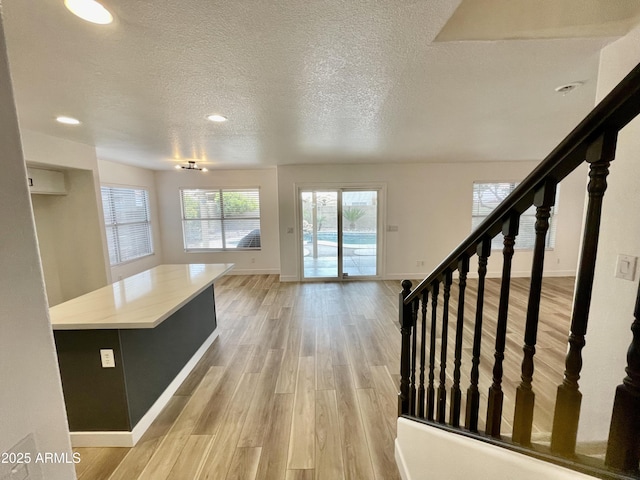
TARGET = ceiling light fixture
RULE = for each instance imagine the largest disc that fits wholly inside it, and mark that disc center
(569, 87)
(191, 165)
(67, 120)
(217, 118)
(89, 10)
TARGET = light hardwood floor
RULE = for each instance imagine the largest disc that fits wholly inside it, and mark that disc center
(302, 383)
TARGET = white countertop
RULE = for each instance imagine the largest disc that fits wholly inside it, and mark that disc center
(143, 300)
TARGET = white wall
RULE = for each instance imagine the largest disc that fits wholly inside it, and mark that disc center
(266, 260)
(428, 453)
(431, 205)
(74, 234)
(608, 335)
(46, 227)
(51, 151)
(31, 395)
(70, 238)
(118, 175)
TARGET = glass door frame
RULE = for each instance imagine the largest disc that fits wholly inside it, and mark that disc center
(339, 188)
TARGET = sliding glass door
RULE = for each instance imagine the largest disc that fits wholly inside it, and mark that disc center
(319, 230)
(339, 233)
(359, 233)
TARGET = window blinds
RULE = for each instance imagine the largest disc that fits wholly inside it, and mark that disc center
(221, 219)
(127, 223)
(487, 196)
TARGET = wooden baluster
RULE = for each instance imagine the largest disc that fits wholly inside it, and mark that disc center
(623, 447)
(525, 397)
(568, 399)
(423, 348)
(494, 405)
(414, 353)
(456, 394)
(442, 387)
(473, 393)
(405, 318)
(432, 351)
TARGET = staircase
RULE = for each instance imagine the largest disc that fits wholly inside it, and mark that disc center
(427, 402)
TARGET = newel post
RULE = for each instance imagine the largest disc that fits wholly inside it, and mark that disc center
(406, 322)
(623, 447)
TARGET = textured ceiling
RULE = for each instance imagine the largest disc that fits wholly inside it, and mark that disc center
(301, 81)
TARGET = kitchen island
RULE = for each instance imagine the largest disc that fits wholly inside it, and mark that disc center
(124, 349)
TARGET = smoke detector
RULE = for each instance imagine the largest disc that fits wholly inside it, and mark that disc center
(569, 87)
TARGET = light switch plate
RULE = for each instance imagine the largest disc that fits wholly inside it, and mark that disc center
(20, 463)
(626, 267)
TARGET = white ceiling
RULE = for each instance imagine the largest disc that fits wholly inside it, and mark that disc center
(526, 19)
(301, 81)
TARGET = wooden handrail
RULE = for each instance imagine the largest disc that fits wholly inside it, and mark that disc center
(615, 111)
(592, 142)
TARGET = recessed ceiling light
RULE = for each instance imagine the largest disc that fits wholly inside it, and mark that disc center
(68, 120)
(89, 10)
(569, 87)
(217, 118)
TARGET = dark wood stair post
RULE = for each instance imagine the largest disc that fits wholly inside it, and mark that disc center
(525, 397)
(456, 394)
(442, 387)
(423, 347)
(623, 447)
(473, 393)
(414, 352)
(567, 411)
(431, 392)
(406, 319)
(496, 395)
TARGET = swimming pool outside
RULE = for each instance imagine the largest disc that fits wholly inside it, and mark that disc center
(350, 239)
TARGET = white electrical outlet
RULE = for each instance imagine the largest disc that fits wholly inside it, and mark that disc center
(626, 267)
(107, 358)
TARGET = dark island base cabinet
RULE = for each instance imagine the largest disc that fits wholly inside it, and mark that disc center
(147, 360)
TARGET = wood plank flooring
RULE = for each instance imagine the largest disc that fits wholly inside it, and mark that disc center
(302, 383)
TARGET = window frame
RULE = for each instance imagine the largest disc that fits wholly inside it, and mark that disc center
(222, 218)
(496, 243)
(148, 223)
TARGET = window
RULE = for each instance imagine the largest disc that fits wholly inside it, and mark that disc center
(221, 219)
(127, 221)
(487, 196)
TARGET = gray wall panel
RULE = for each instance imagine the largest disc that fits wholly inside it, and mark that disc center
(153, 357)
(95, 397)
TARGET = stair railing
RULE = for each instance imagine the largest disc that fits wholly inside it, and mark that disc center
(593, 141)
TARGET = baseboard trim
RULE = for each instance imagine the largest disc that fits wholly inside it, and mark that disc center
(129, 439)
(527, 274)
(102, 439)
(405, 276)
(289, 278)
(264, 271)
(516, 274)
(400, 462)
